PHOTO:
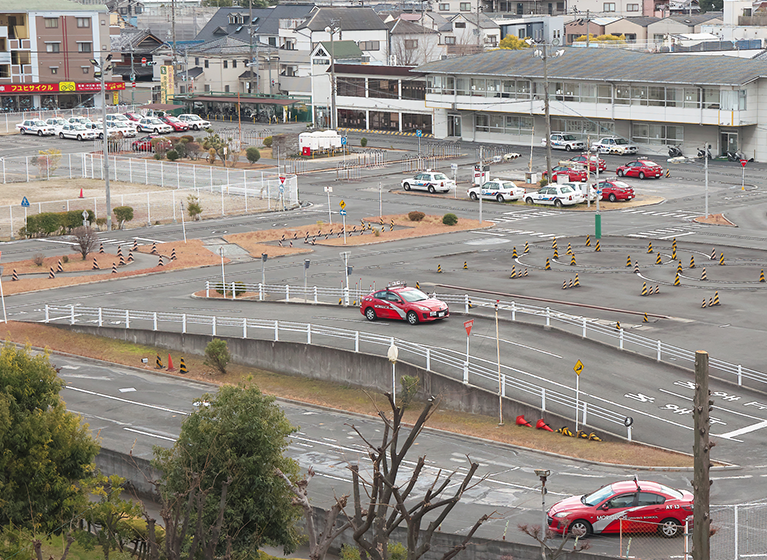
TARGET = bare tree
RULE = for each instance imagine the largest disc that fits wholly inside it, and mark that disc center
(86, 239)
(416, 49)
(554, 552)
(382, 504)
(318, 544)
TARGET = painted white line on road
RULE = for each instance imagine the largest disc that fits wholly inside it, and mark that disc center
(580, 474)
(749, 416)
(56, 241)
(82, 376)
(487, 233)
(521, 346)
(741, 431)
(679, 235)
(149, 434)
(126, 401)
(731, 477)
(146, 239)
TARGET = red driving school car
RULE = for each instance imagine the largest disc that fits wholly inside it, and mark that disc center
(630, 506)
(400, 302)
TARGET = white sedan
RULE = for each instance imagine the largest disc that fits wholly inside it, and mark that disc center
(77, 132)
(614, 145)
(35, 126)
(555, 195)
(55, 123)
(120, 128)
(566, 142)
(498, 190)
(432, 181)
(151, 124)
(194, 121)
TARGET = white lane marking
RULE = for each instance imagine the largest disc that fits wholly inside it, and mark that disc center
(127, 401)
(146, 239)
(744, 430)
(69, 367)
(487, 233)
(80, 376)
(127, 390)
(56, 241)
(521, 346)
(580, 474)
(749, 416)
(149, 434)
(679, 235)
(731, 477)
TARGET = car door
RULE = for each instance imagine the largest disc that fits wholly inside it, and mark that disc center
(613, 514)
(648, 514)
(418, 182)
(545, 196)
(397, 308)
(489, 189)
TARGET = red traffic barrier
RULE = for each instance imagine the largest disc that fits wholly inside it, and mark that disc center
(541, 425)
(170, 364)
(522, 422)
(81, 194)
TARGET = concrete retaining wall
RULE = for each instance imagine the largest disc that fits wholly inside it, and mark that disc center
(335, 365)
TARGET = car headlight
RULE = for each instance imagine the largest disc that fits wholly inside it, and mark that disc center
(560, 514)
(422, 308)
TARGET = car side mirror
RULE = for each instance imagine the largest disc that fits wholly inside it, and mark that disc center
(606, 505)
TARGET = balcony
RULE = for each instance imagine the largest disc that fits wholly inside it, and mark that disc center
(5, 57)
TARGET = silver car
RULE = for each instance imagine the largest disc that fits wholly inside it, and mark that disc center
(77, 132)
(497, 189)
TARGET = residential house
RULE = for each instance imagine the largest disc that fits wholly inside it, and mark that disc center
(681, 25)
(654, 100)
(607, 8)
(132, 61)
(634, 29)
(586, 26)
(45, 52)
(321, 72)
(411, 44)
(550, 29)
(471, 33)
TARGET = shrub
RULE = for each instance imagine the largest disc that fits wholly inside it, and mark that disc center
(172, 155)
(101, 222)
(268, 141)
(187, 138)
(181, 149)
(376, 232)
(158, 156)
(363, 142)
(123, 214)
(217, 355)
(416, 216)
(252, 154)
(212, 156)
(193, 207)
(239, 288)
(38, 259)
(449, 219)
(193, 150)
(543, 182)
(65, 259)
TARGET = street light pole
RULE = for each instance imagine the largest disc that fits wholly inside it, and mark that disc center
(706, 149)
(546, 111)
(103, 67)
(543, 475)
(333, 28)
(223, 275)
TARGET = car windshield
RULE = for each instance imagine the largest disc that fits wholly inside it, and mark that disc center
(621, 141)
(193, 118)
(38, 123)
(649, 163)
(568, 137)
(509, 185)
(565, 189)
(440, 177)
(155, 121)
(413, 295)
(596, 498)
(671, 492)
(78, 127)
(172, 119)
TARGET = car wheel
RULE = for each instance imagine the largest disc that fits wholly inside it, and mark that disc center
(101, 135)
(641, 174)
(568, 148)
(558, 203)
(412, 318)
(431, 189)
(80, 137)
(580, 527)
(619, 172)
(612, 198)
(473, 196)
(370, 314)
(39, 132)
(406, 186)
(499, 198)
(528, 200)
(156, 131)
(195, 127)
(670, 528)
(61, 135)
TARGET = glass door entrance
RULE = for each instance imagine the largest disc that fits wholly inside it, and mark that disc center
(454, 125)
(728, 142)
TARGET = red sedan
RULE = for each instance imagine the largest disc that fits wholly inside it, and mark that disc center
(630, 506)
(145, 144)
(401, 302)
(573, 175)
(592, 163)
(615, 190)
(177, 125)
(135, 117)
(641, 168)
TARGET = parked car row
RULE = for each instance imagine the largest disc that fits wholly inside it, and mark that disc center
(606, 145)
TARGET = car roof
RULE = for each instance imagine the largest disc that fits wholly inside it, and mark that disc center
(630, 485)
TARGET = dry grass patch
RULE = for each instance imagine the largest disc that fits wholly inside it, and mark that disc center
(339, 397)
(714, 220)
(63, 189)
(254, 242)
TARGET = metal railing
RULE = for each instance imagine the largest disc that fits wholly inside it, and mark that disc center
(478, 372)
(593, 329)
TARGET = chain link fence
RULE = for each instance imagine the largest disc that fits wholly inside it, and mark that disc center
(741, 532)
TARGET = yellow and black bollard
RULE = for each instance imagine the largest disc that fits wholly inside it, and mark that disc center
(628, 261)
(588, 241)
(158, 362)
(716, 298)
(721, 259)
(154, 248)
(513, 272)
(548, 265)
(577, 282)
(439, 268)
(657, 289)
(649, 247)
(59, 267)
(554, 243)
(673, 253)
(514, 253)
(645, 319)
(173, 254)
(692, 261)
(677, 282)
(182, 367)
(711, 302)
(618, 325)
(101, 248)
(51, 274)
(160, 263)
(114, 268)
(713, 253)
(644, 288)
(570, 284)
(761, 275)
(525, 274)
(569, 249)
(527, 248)
(572, 259)
(657, 259)
(417, 286)
(15, 276)
(597, 249)
(679, 267)
(636, 267)
(703, 305)
(465, 265)
(564, 285)
(556, 254)
(703, 275)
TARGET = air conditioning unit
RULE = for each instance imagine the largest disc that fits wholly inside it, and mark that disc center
(443, 57)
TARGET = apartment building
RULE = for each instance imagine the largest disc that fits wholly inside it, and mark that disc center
(45, 52)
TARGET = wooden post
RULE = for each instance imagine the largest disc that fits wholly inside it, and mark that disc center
(701, 549)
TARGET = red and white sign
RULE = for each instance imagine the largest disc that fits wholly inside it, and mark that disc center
(61, 87)
(143, 61)
(743, 162)
(467, 325)
(282, 180)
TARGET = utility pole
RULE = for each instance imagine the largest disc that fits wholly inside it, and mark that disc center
(333, 28)
(173, 39)
(132, 79)
(479, 34)
(702, 405)
(250, 32)
(547, 115)
(102, 66)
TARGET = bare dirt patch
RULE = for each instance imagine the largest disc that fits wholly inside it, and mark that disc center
(63, 189)
(715, 220)
(340, 397)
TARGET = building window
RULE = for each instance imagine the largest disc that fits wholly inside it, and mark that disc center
(84, 47)
(206, 63)
(411, 44)
(86, 69)
(226, 64)
(351, 87)
(459, 25)
(520, 9)
(196, 60)
(234, 64)
(52, 47)
(51, 22)
(54, 69)
(370, 45)
(207, 87)
(413, 90)
(83, 22)
(465, 6)
(273, 41)
(482, 123)
(383, 89)
(450, 40)
(226, 89)
(608, 7)
(444, 7)
(632, 7)
(657, 134)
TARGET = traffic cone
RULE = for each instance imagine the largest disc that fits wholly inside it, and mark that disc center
(644, 288)
(514, 253)
(570, 284)
(81, 194)
(703, 305)
(170, 364)
(572, 259)
(721, 259)
(122, 261)
(525, 274)
(657, 289)
(628, 261)
(658, 260)
(692, 261)
(119, 251)
(636, 267)
(703, 275)
(588, 241)
(564, 285)
(555, 255)
(673, 242)
(130, 256)
(417, 286)
(439, 268)
(527, 248)
(716, 298)
(470, 305)
(135, 244)
(173, 255)
(554, 243)
(597, 249)
(645, 319)
(51, 274)
(711, 302)
(95, 264)
(154, 248)
(677, 282)
(565, 431)
(182, 367)
(160, 263)
(513, 272)
(713, 254)
(679, 267)
(577, 281)
(59, 268)
(569, 249)
(592, 435)
(673, 253)
(649, 247)
(548, 265)
(582, 435)
(101, 248)
(465, 265)
(522, 422)
(542, 425)
(157, 362)
(114, 268)
(15, 276)
(617, 325)
(761, 276)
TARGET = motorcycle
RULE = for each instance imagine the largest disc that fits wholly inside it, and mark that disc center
(737, 156)
(674, 152)
(704, 153)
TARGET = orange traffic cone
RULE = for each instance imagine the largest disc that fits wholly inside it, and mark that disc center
(81, 194)
(542, 425)
(170, 364)
(522, 422)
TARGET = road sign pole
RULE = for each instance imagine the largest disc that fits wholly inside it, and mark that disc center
(743, 175)
(577, 394)
(344, 226)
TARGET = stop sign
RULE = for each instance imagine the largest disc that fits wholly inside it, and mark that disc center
(143, 61)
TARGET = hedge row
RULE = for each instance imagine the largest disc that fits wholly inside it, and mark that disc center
(54, 223)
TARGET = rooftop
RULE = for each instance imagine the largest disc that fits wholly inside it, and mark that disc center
(48, 6)
(348, 19)
(613, 65)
